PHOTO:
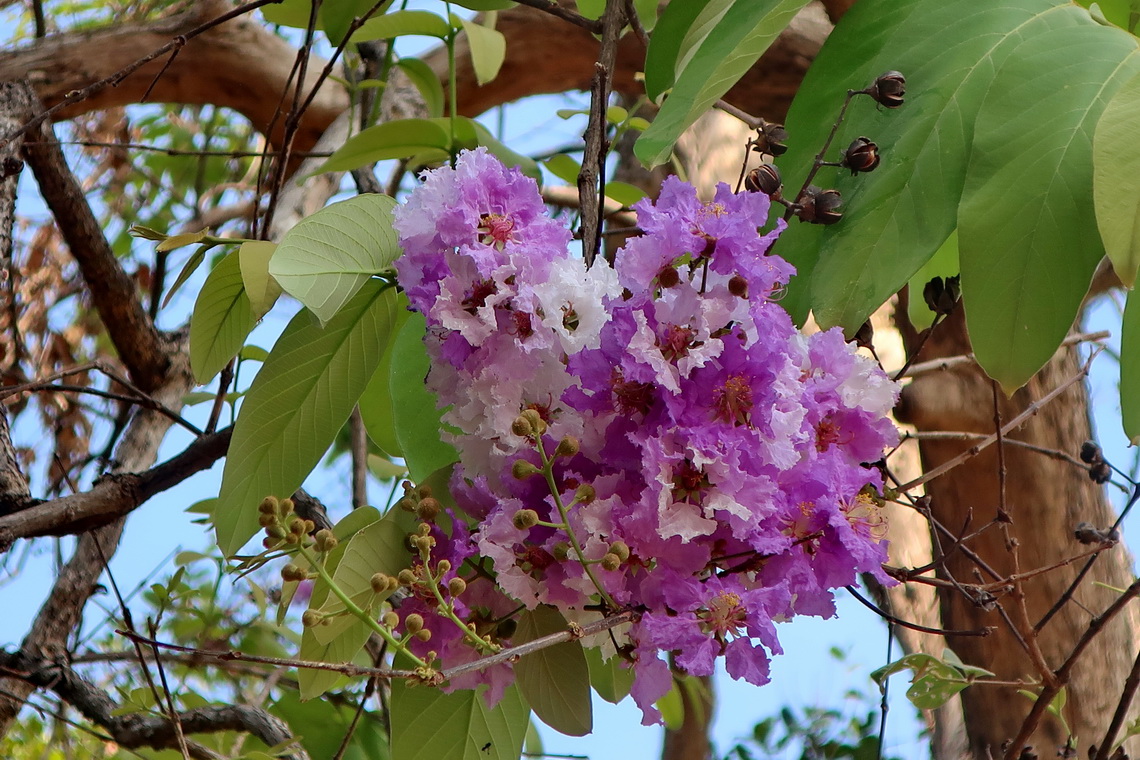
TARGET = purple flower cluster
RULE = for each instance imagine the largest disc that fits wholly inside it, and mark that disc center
(716, 479)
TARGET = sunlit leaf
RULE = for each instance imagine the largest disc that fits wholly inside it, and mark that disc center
(1116, 180)
(402, 138)
(177, 241)
(221, 320)
(376, 406)
(298, 402)
(1130, 369)
(327, 257)
(260, 286)
(611, 678)
(188, 269)
(400, 24)
(488, 50)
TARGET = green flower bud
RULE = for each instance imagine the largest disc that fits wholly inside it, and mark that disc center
(286, 506)
(521, 427)
(456, 586)
(414, 623)
(443, 566)
(379, 582)
(611, 562)
(567, 447)
(325, 540)
(265, 520)
(423, 490)
(406, 577)
(525, 519)
(268, 505)
(390, 619)
(275, 531)
(537, 424)
(423, 634)
(561, 551)
(311, 618)
(620, 549)
(522, 469)
(407, 504)
(292, 573)
(585, 494)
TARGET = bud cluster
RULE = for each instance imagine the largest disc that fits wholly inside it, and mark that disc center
(701, 458)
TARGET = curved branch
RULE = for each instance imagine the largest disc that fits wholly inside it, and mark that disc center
(139, 729)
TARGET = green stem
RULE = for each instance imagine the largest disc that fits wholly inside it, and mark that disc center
(548, 473)
(449, 612)
(355, 610)
(452, 95)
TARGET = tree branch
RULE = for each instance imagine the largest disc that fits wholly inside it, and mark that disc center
(140, 729)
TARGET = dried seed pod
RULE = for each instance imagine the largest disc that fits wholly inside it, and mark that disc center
(888, 89)
(1090, 452)
(765, 178)
(861, 155)
(770, 138)
(819, 206)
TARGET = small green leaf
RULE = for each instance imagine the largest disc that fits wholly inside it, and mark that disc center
(672, 707)
(402, 24)
(485, 5)
(427, 82)
(616, 114)
(327, 257)
(611, 678)
(337, 16)
(188, 269)
(428, 724)
(591, 9)
(221, 320)
(563, 167)
(624, 193)
(293, 13)
(402, 138)
(177, 241)
(1130, 368)
(379, 548)
(488, 50)
(417, 419)
(934, 681)
(260, 286)
(297, 404)
(1116, 181)
(555, 681)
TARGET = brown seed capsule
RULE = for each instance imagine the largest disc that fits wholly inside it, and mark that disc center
(1090, 452)
(765, 178)
(1100, 473)
(738, 286)
(819, 206)
(668, 277)
(941, 296)
(861, 155)
(771, 138)
(428, 508)
(888, 90)
(865, 335)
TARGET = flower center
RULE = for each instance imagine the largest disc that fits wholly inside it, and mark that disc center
(733, 401)
(496, 230)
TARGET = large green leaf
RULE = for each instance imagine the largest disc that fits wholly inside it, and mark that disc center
(732, 45)
(1116, 180)
(298, 402)
(1130, 369)
(555, 681)
(401, 23)
(221, 320)
(414, 406)
(311, 682)
(327, 257)
(428, 724)
(896, 217)
(376, 408)
(402, 138)
(322, 726)
(1026, 224)
(337, 16)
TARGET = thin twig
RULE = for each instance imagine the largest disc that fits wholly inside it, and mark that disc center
(1013, 424)
(1122, 707)
(592, 177)
(556, 10)
(915, 626)
(938, 365)
(187, 153)
(114, 79)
